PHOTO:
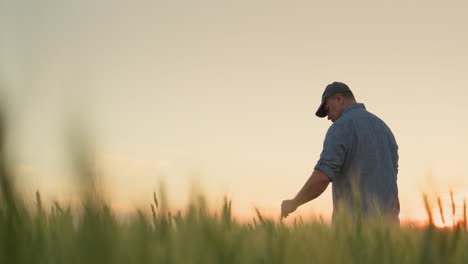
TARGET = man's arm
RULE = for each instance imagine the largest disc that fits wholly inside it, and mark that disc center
(315, 185)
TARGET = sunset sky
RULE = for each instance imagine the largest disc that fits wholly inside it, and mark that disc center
(223, 93)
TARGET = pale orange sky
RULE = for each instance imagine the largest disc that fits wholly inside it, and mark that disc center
(225, 92)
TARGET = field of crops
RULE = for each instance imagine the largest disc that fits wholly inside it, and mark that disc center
(93, 233)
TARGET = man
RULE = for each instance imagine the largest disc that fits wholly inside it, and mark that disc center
(359, 157)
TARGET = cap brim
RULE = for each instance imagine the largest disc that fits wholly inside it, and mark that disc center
(321, 110)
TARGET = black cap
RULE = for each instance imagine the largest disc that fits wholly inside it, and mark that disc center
(331, 89)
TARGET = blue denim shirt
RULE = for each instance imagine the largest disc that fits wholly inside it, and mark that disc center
(360, 156)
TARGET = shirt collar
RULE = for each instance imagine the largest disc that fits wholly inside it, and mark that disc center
(354, 106)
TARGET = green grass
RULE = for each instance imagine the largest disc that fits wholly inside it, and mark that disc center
(94, 234)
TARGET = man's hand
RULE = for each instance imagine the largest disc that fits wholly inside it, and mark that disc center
(287, 207)
(315, 185)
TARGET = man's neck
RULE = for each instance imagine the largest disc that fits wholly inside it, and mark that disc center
(346, 103)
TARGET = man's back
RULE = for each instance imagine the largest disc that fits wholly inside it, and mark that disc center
(360, 156)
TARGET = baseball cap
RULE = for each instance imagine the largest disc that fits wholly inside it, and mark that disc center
(331, 89)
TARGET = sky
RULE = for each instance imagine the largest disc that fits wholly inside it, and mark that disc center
(222, 94)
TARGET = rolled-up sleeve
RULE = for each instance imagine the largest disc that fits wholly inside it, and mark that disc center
(334, 151)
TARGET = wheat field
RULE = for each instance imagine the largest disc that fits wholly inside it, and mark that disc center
(93, 233)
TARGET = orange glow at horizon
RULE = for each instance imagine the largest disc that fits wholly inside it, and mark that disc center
(449, 220)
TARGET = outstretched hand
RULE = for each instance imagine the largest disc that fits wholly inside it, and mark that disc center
(287, 207)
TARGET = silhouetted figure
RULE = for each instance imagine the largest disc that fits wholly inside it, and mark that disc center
(359, 157)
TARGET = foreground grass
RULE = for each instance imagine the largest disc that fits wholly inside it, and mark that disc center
(95, 235)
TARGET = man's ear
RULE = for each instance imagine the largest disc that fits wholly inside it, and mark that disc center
(339, 98)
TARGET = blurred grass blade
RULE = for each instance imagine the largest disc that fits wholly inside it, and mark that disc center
(453, 208)
(441, 210)
(427, 206)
